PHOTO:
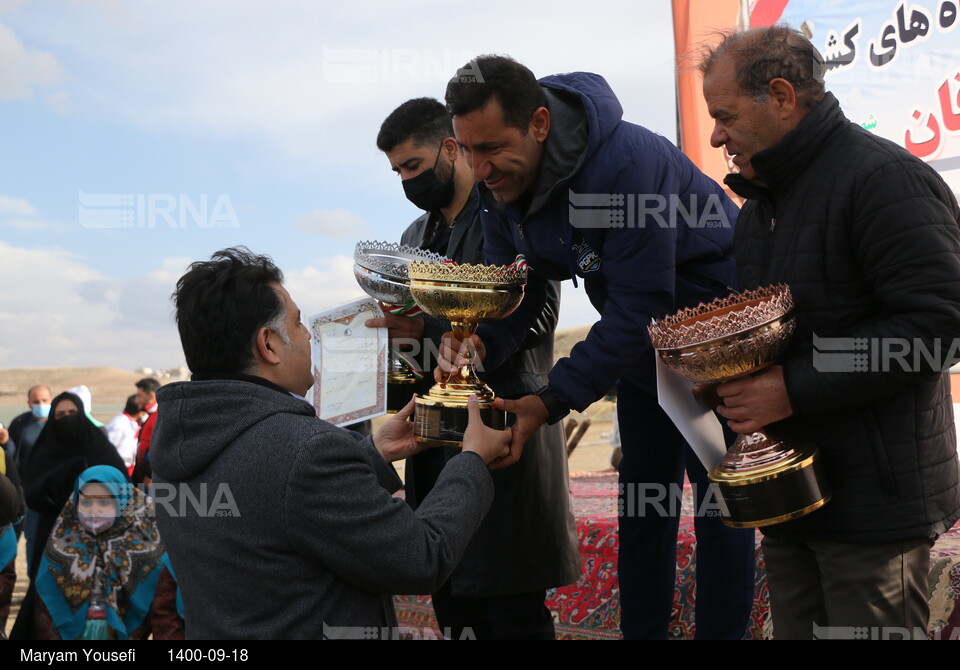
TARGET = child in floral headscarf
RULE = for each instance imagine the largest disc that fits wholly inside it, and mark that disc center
(102, 574)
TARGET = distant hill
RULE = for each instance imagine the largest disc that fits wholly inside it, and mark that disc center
(109, 386)
(565, 339)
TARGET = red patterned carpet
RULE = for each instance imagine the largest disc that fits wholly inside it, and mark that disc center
(595, 599)
(590, 609)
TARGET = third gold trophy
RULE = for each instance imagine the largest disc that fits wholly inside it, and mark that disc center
(762, 479)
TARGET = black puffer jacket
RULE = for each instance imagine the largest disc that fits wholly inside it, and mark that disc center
(528, 540)
(867, 238)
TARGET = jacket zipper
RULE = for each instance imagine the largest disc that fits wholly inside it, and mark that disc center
(766, 240)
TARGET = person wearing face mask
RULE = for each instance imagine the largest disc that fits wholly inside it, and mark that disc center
(67, 446)
(24, 430)
(527, 543)
(26, 427)
(102, 572)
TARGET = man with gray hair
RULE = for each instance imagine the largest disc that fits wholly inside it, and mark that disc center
(867, 238)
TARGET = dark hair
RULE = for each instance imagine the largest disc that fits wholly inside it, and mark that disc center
(500, 77)
(764, 54)
(148, 385)
(132, 407)
(220, 306)
(423, 120)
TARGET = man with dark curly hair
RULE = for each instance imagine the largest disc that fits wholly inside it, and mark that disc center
(308, 541)
(583, 194)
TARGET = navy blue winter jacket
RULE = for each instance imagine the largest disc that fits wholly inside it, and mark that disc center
(669, 245)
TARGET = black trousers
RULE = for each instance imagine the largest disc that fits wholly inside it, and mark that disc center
(655, 456)
(521, 616)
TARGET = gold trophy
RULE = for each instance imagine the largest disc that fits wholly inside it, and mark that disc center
(380, 269)
(762, 479)
(464, 295)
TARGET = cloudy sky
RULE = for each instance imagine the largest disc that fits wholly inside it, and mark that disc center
(139, 136)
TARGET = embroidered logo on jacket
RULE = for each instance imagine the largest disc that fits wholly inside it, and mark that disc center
(588, 259)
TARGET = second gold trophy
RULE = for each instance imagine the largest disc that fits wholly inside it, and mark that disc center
(465, 295)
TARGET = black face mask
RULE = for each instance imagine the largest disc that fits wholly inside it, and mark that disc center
(426, 191)
(69, 427)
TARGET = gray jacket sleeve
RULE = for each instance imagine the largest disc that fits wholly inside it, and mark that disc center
(387, 476)
(338, 512)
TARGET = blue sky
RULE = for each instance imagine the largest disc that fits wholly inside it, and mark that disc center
(270, 109)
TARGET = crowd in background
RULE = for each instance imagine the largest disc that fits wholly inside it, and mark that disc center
(95, 560)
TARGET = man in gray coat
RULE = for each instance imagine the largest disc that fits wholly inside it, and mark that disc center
(278, 524)
(528, 541)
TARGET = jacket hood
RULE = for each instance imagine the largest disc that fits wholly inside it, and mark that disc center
(602, 109)
(197, 420)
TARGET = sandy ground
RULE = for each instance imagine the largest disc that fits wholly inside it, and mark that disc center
(110, 388)
(108, 385)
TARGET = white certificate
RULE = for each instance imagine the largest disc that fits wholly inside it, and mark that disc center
(693, 417)
(349, 363)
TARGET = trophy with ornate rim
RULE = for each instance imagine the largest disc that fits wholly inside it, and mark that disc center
(762, 479)
(464, 295)
(381, 270)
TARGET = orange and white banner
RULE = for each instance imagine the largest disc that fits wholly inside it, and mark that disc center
(697, 23)
(894, 65)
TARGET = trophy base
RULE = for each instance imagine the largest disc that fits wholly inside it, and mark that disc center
(443, 425)
(399, 393)
(780, 490)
